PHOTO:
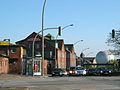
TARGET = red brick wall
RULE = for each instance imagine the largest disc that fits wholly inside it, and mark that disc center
(4, 65)
(73, 59)
(45, 66)
(61, 57)
(16, 67)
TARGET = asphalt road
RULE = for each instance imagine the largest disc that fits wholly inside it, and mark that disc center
(62, 83)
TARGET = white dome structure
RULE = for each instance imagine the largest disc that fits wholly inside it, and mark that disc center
(104, 57)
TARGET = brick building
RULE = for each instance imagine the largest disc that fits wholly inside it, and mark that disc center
(49, 48)
(49, 52)
(4, 64)
(70, 55)
(61, 54)
(15, 54)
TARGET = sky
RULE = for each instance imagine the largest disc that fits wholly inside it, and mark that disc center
(92, 21)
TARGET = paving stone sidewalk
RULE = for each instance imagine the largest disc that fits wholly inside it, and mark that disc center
(16, 76)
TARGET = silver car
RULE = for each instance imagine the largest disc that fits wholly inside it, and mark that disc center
(76, 70)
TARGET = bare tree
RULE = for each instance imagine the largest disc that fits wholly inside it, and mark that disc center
(114, 42)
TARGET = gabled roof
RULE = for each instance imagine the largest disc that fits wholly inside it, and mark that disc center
(3, 55)
(51, 37)
(60, 42)
(69, 47)
(31, 36)
(26, 37)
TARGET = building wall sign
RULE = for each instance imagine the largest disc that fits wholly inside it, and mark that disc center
(4, 43)
(31, 39)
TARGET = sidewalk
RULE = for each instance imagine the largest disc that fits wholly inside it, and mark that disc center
(15, 88)
(16, 76)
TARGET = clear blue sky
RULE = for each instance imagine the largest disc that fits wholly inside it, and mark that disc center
(92, 19)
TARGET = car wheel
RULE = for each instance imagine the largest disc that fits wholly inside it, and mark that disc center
(52, 75)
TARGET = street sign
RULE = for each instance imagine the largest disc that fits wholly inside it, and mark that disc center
(4, 43)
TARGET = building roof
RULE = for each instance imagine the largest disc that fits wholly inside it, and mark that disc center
(69, 47)
(31, 36)
(59, 41)
(3, 55)
(12, 45)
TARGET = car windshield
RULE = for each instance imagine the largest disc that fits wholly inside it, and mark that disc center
(72, 68)
(57, 69)
(104, 68)
(92, 69)
(79, 68)
(76, 68)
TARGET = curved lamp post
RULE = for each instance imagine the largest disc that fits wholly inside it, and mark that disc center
(43, 37)
(85, 49)
(33, 44)
(56, 61)
(89, 53)
(64, 28)
(82, 55)
(78, 42)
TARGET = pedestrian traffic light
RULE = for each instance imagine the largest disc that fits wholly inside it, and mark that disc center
(59, 31)
(113, 33)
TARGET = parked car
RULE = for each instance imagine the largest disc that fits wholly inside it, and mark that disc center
(92, 71)
(77, 71)
(58, 72)
(103, 71)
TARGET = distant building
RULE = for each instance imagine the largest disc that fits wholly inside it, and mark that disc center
(85, 60)
(70, 55)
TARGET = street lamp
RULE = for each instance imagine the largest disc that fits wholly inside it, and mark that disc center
(85, 49)
(82, 55)
(33, 44)
(78, 42)
(89, 53)
(56, 61)
(43, 37)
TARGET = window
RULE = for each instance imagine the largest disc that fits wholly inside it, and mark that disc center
(13, 50)
(30, 45)
(50, 54)
(37, 46)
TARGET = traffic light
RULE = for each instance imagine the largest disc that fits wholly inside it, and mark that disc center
(59, 31)
(113, 33)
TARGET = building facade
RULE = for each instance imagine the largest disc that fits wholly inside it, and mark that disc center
(49, 47)
(4, 64)
(15, 54)
(54, 51)
(70, 55)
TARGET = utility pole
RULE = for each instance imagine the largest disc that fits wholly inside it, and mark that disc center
(43, 37)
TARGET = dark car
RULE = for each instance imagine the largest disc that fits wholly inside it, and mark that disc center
(103, 71)
(91, 71)
(58, 72)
